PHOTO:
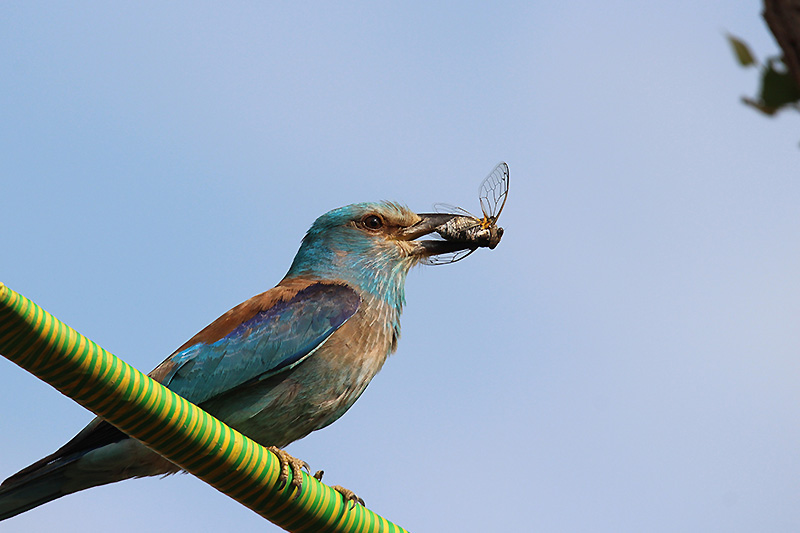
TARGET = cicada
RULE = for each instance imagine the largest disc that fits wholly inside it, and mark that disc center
(480, 232)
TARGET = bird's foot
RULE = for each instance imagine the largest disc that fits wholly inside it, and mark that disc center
(347, 494)
(288, 462)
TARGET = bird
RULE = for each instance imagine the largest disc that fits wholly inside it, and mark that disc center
(278, 366)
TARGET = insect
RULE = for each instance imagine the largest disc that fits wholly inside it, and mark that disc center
(481, 232)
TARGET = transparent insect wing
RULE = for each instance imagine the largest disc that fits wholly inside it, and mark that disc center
(494, 191)
(446, 259)
(447, 209)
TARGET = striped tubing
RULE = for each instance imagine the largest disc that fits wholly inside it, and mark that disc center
(180, 431)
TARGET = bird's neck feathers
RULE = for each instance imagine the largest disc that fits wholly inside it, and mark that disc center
(376, 269)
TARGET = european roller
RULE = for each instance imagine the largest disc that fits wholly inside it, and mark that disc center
(282, 364)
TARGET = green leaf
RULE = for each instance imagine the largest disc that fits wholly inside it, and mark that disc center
(778, 87)
(742, 51)
(758, 105)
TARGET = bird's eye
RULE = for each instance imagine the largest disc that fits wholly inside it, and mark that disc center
(372, 222)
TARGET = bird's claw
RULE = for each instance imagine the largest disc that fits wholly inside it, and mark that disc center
(347, 494)
(288, 462)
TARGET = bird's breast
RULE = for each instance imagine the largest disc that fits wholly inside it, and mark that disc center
(347, 362)
(315, 393)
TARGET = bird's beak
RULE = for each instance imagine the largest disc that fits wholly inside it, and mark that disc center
(430, 223)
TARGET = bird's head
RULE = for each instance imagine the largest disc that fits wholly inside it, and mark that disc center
(371, 245)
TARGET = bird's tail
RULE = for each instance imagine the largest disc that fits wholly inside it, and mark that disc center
(57, 474)
(36, 485)
(98, 455)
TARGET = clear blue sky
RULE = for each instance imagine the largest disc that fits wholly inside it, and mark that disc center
(626, 360)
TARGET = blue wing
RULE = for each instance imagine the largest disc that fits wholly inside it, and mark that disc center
(274, 340)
